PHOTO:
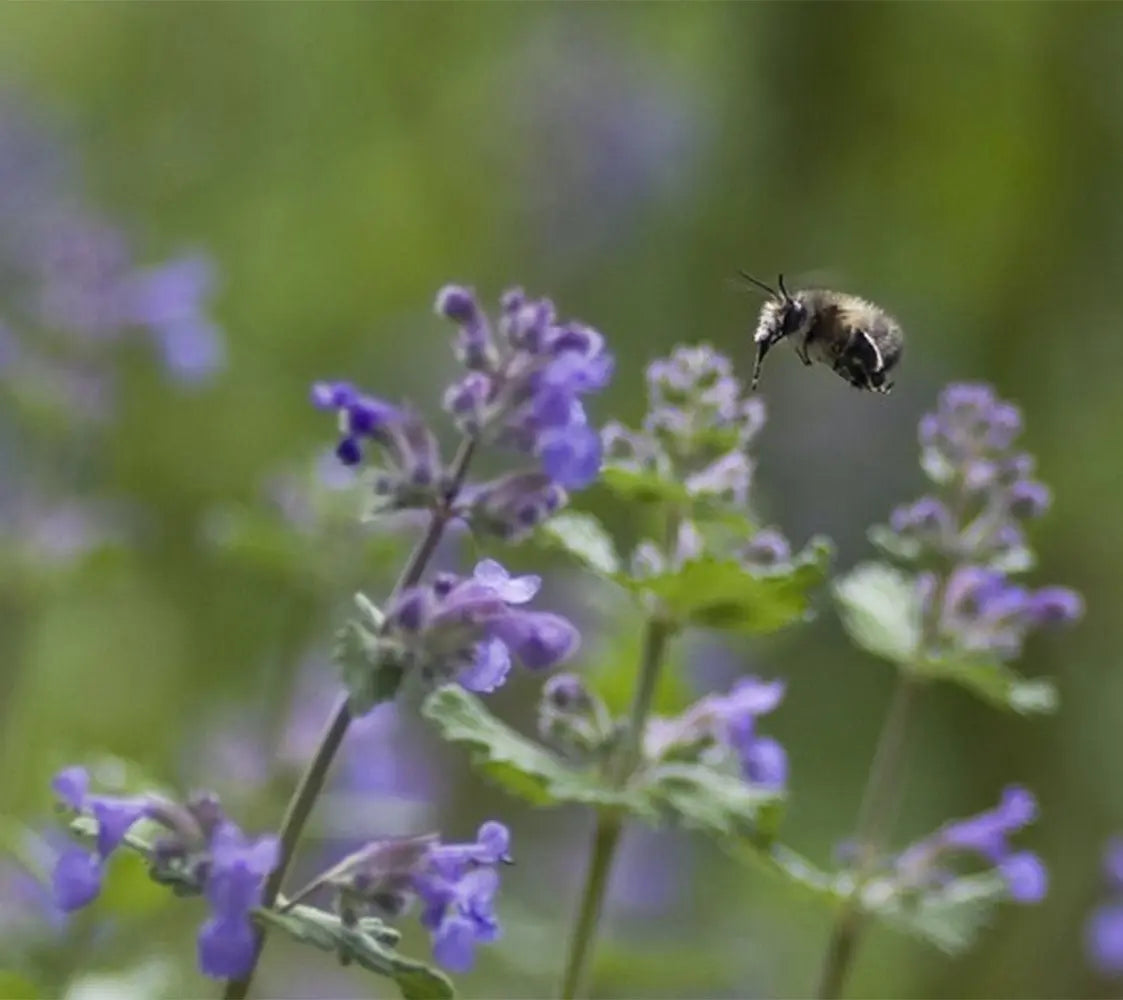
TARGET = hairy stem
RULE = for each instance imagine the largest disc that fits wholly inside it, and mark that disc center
(311, 783)
(875, 816)
(610, 821)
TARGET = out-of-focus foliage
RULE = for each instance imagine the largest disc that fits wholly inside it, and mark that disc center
(959, 164)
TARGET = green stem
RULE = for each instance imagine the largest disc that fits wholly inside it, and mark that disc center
(610, 821)
(875, 814)
(311, 783)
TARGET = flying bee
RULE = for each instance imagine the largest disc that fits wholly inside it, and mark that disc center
(858, 340)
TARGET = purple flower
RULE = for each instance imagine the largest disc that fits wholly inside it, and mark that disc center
(512, 506)
(238, 868)
(455, 883)
(470, 628)
(1103, 934)
(524, 387)
(203, 852)
(986, 835)
(76, 879)
(727, 722)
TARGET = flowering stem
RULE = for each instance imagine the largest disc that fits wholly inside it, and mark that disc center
(311, 783)
(874, 816)
(610, 821)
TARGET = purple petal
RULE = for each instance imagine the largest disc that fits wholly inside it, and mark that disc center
(538, 639)
(1056, 606)
(1026, 876)
(1104, 940)
(71, 785)
(494, 840)
(114, 818)
(493, 663)
(766, 763)
(571, 456)
(454, 944)
(76, 879)
(513, 589)
(225, 948)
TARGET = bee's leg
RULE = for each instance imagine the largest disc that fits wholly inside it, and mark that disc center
(801, 352)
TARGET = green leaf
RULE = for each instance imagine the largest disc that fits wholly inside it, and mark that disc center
(993, 681)
(721, 593)
(583, 537)
(639, 486)
(367, 945)
(369, 677)
(880, 611)
(950, 917)
(722, 805)
(519, 765)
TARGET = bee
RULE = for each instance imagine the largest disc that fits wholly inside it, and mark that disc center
(858, 340)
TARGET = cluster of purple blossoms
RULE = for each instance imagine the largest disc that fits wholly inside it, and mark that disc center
(718, 727)
(202, 852)
(698, 427)
(72, 288)
(455, 885)
(1104, 931)
(470, 628)
(525, 381)
(971, 528)
(923, 865)
(523, 389)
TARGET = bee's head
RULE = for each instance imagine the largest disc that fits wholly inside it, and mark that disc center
(781, 316)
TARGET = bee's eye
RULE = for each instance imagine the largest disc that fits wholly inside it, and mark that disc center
(793, 317)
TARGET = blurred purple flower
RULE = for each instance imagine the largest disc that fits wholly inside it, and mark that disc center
(1103, 933)
(986, 835)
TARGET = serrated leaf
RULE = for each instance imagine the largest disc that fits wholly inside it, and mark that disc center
(416, 980)
(368, 677)
(949, 917)
(881, 611)
(639, 486)
(721, 593)
(713, 802)
(520, 765)
(583, 537)
(994, 682)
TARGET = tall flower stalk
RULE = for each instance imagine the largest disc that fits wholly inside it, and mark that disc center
(962, 613)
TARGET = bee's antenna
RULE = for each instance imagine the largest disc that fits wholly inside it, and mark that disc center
(783, 290)
(759, 284)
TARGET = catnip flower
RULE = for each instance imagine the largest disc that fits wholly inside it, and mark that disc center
(986, 836)
(1103, 933)
(469, 629)
(972, 528)
(696, 437)
(723, 727)
(454, 883)
(201, 852)
(525, 381)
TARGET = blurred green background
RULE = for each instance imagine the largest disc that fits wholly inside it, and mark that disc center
(961, 164)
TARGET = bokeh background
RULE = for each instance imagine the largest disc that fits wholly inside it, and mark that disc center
(173, 560)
